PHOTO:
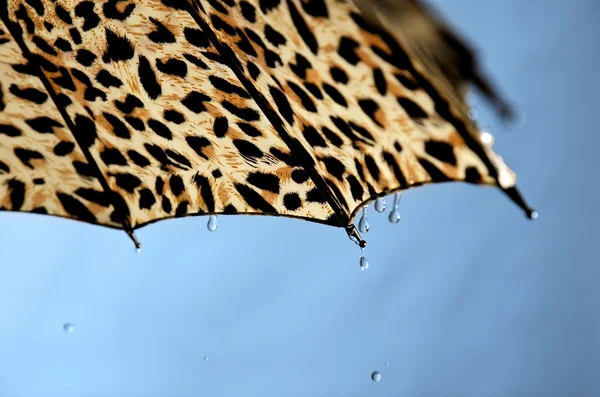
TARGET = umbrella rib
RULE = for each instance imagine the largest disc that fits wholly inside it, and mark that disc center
(296, 149)
(119, 206)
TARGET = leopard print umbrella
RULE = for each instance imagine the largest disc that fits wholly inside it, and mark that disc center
(122, 113)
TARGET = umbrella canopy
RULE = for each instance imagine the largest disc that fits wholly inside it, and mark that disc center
(122, 113)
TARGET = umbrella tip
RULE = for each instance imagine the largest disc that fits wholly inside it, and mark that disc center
(138, 245)
(354, 235)
(532, 214)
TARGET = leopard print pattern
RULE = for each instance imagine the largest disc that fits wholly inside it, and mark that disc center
(292, 108)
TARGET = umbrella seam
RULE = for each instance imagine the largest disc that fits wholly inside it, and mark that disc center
(117, 206)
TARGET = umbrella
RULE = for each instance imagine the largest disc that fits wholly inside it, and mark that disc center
(123, 113)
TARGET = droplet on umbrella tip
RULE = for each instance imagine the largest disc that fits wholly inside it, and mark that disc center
(487, 139)
(138, 249)
(375, 376)
(395, 216)
(473, 114)
(212, 223)
(514, 117)
(533, 215)
(380, 204)
(363, 225)
(68, 328)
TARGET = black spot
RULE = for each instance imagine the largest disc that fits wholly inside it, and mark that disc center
(84, 169)
(372, 167)
(39, 181)
(361, 131)
(345, 128)
(300, 176)
(393, 164)
(75, 35)
(335, 94)
(24, 68)
(338, 75)
(246, 114)
(314, 89)
(194, 101)
(248, 11)
(48, 26)
(205, 191)
(249, 130)
(197, 143)
(283, 105)
(95, 196)
(315, 8)
(175, 4)
(138, 159)
(75, 208)
(167, 207)
(247, 149)
(230, 209)
(108, 80)
(9, 130)
(253, 70)
(63, 14)
(196, 37)
(29, 94)
(182, 209)
(17, 193)
(111, 156)
(442, 151)
(65, 81)
(159, 186)
(4, 168)
(43, 63)
(254, 199)
(85, 10)
(292, 201)
(218, 6)
(334, 166)
(413, 110)
(408, 83)
(160, 129)
(174, 67)
(173, 116)
(273, 36)
(305, 99)
(355, 187)
(26, 156)
(315, 196)
(287, 158)
(264, 181)
(302, 28)
(268, 5)
(227, 87)
(436, 174)
(147, 199)
(397, 146)
(131, 102)
(111, 11)
(63, 148)
(43, 124)
(301, 66)
(85, 129)
(472, 175)
(380, 82)
(221, 126)
(347, 50)
(127, 182)
(148, 78)
(63, 45)
(370, 107)
(119, 128)
(178, 159)
(136, 123)
(23, 15)
(219, 24)
(195, 61)
(313, 137)
(176, 184)
(44, 46)
(85, 57)
(117, 48)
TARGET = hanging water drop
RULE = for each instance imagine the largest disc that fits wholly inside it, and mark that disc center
(68, 328)
(473, 114)
(205, 358)
(375, 376)
(212, 223)
(364, 263)
(363, 224)
(380, 204)
(138, 249)
(395, 214)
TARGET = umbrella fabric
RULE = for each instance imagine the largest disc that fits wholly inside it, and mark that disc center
(123, 113)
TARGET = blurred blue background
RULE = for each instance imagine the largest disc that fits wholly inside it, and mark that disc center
(464, 297)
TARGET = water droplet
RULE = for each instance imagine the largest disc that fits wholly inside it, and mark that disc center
(395, 214)
(363, 224)
(514, 117)
(375, 376)
(380, 204)
(364, 263)
(205, 358)
(138, 250)
(533, 215)
(473, 113)
(387, 363)
(212, 223)
(69, 328)
(487, 139)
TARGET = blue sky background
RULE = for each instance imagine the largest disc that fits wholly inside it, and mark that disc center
(464, 297)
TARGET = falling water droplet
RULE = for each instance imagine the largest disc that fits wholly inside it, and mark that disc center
(205, 358)
(69, 328)
(212, 223)
(380, 204)
(473, 113)
(363, 224)
(514, 117)
(364, 263)
(375, 376)
(395, 214)
(387, 363)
